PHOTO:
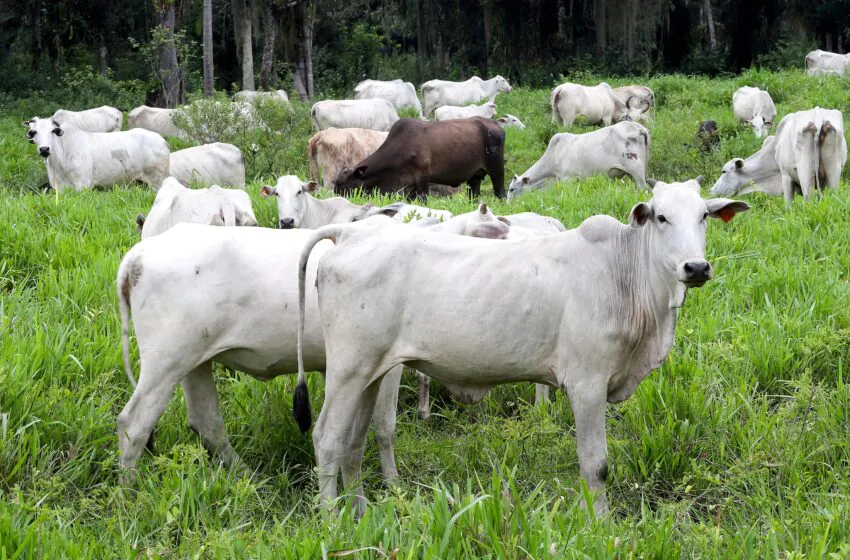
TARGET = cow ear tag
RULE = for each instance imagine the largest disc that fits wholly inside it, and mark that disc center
(726, 214)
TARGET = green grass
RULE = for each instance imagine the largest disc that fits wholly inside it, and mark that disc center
(739, 446)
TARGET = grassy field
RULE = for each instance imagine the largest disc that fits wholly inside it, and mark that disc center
(738, 447)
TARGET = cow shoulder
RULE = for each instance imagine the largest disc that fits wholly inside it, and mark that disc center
(600, 229)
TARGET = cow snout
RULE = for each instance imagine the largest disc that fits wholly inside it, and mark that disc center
(44, 151)
(696, 273)
(287, 223)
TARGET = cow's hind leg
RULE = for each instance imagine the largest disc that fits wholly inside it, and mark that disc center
(204, 414)
(541, 393)
(384, 418)
(424, 410)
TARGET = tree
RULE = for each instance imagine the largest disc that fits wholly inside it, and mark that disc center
(301, 14)
(269, 37)
(244, 41)
(209, 85)
(170, 72)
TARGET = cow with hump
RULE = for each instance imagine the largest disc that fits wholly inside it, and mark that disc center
(100, 119)
(596, 104)
(594, 330)
(437, 93)
(417, 153)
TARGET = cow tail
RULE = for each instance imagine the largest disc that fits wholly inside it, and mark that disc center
(301, 398)
(556, 96)
(315, 120)
(312, 157)
(826, 144)
(124, 287)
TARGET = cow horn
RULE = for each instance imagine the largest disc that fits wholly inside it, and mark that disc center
(699, 180)
(629, 101)
(483, 208)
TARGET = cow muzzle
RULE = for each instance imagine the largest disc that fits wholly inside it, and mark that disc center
(287, 223)
(695, 273)
(44, 151)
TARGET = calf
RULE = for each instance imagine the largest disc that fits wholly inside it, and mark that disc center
(209, 164)
(334, 149)
(417, 153)
(594, 330)
(707, 137)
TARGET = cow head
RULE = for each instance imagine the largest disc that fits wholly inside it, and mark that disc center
(737, 173)
(291, 193)
(518, 186)
(502, 84)
(675, 220)
(760, 126)
(42, 133)
(349, 179)
(510, 121)
(489, 110)
(368, 210)
(634, 109)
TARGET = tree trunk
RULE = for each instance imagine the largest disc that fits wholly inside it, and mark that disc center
(488, 32)
(712, 33)
(303, 34)
(170, 74)
(102, 53)
(421, 39)
(244, 42)
(270, 34)
(36, 36)
(600, 23)
(209, 83)
(309, 16)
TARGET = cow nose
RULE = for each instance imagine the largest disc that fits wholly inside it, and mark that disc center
(287, 223)
(696, 273)
(44, 151)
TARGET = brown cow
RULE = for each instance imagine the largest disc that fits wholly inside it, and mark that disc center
(334, 149)
(416, 153)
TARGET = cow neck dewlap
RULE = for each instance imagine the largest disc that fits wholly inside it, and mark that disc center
(658, 286)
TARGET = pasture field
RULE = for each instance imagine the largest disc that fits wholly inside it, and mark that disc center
(738, 447)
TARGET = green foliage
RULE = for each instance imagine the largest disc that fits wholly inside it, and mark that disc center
(789, 52)
(737, 447)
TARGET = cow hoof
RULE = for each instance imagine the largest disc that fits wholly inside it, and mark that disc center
(424, 415)
(127, 476)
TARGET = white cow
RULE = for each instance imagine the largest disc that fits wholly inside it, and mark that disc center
(759, 172)
(755, 107)
(638, 94)
(510, 121)
(101, 119)
(250, 96)
(810, 151)
(214, 206)
(592, 310)
(334, 149)
(201, 294)
(825, 63)
(618, 150)
(81, 160)
(209, 164)
(452, 112)
(594, 103)
(374, 114)
(437, 93)
(297, 208)
(401, 94)
(154, 119)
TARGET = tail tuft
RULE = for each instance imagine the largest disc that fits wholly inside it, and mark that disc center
(301, 407)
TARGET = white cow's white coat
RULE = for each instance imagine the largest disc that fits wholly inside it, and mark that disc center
(759, 172)
(333, 149)
(510, 121)
(436, 93)
(618, 150)
(374, 114)
(451, 112)
(101, 119)
(250, 96)
(595, 330)
(154, 119)
(209, 164)
(825, 63)
(755, 107)
(81, 160)
(594, 103)
(401, 94)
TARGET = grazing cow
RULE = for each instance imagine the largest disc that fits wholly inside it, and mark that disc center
(532, 221)
(810, 151)
(334, 149)
(450, 112)
(374, 114)
(755, 107)
(209, 164)
(436, 93)
(101, 119)
(618, 150)
(596, 329)
(250, 96)
(401, 94)
(417, 153)
(214, 206)
(643, 94)
(296, 207)
(707, 137)
(154, 119)
(82, 160)
(825, 63)
(510, 121)
(201, 294)
(759, 172)
(594, 103)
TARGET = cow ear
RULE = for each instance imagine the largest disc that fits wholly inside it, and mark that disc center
(526, 179)
(739, 163)
(311, 187)
(640, 214)
(724, 208)
(482, 207)
(699, 180)
(360, 172)
(651, 183)
(140, 222)
(57, 130)
(504, 220)
(386, 211)
(502, 120)
(26, 123)
(267, 191)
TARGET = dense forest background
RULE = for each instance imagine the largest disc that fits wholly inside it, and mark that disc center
(161, 49)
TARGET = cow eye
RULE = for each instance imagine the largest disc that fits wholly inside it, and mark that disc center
(299, 193)
(705, 216)
(31, 133)
(662, 219)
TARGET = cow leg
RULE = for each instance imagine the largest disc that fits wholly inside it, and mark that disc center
(204, 414)
(588, 401)
(424, 396)
(384, 419)
(420, 192)
(541, 393)
(496, 170)
(788, 189)
(474, 189)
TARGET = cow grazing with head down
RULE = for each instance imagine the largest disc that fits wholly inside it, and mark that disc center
(596, 104)
(82, 160)
(417, 153)
(510, 121)
(755, 107)
(437, 93)
(759, 172)
(707, 137)
(825, 63)
(333, 149)
(594, 330)
(643, 95)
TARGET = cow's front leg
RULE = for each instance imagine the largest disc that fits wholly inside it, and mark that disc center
(588, 401)
(384, 419)
(788, 189)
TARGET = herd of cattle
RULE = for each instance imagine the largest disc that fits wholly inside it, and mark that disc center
(358, 291)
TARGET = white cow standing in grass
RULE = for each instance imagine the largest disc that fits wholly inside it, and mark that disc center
(374, 114)
(594, 103)
(759, 172)
(101, 119)
(437, 93)
(450, 112)
(825, 63)
(154, 119)
(755, 107)
(618, 150)
(401, 94)
(209, 164)
(82, 160)
(214, 206)
(249, 96)
(404, 296)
